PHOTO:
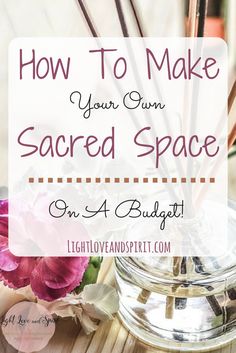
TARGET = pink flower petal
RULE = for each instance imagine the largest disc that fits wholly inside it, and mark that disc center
(4, 207)
(56, 277)
(20, 277)
(40, 288)
(73, 270)
(57, 286)
(8, 262)
(4, 218)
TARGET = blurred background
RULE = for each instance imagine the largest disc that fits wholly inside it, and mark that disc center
(24, 18)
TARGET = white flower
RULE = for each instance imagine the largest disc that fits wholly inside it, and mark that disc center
(95, 302)
(99, 301)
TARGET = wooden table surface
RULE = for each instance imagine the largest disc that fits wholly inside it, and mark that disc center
(111, 336)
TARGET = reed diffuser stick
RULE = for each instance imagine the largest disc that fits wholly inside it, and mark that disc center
(177, 265)
(202, 17)
(232, 136)
(138, 22)
(170, 303)
(144, 296)
(178, 262)
(192, 16)
(232, 96)
(121, 18)
(87, 18)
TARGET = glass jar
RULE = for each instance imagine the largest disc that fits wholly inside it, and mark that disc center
(192, 309)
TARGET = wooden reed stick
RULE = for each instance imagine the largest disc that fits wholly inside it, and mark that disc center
(178, 261)
(144, 296)
(137, 18)
(177, 265)
(170, 300)
(202, 17)
(87, 18)
(170, 304)
(192, 15)
(232, 293)
(183, 266)
(122, 18)
(232, 96)
(232, 136)
(215, 306)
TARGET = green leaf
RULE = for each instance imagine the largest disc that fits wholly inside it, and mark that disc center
(91, 274)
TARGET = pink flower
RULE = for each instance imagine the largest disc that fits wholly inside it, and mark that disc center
(50, 277)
